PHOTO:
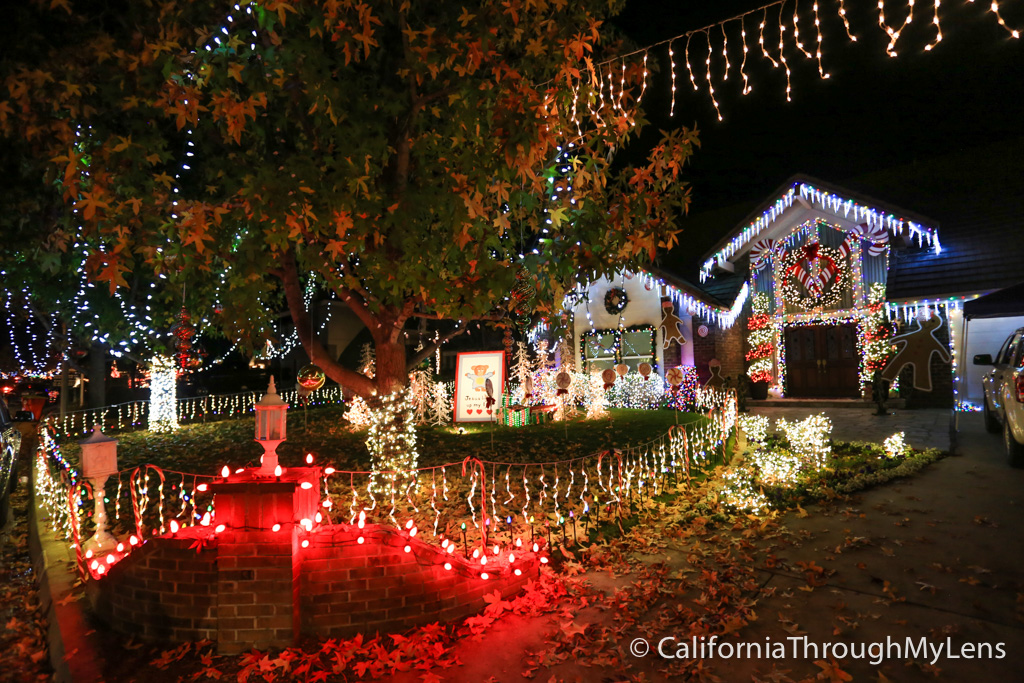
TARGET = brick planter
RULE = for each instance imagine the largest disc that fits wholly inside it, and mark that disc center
(250, 586)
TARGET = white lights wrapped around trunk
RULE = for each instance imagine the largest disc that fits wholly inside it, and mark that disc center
(163, 394)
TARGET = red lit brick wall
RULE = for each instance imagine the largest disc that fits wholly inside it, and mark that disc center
(348, 588)
(261, 588)
(164, 590)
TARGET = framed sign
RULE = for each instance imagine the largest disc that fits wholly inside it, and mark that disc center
(479, 375)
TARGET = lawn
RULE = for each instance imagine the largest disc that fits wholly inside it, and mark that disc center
(204, 447)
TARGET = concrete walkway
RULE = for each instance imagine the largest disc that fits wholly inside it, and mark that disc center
(923, 428)
(935, 556)
(938, 555)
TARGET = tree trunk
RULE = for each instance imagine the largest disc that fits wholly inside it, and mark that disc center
(390, 371)
(97, 376)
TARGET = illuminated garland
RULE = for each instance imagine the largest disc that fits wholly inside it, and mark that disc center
(877, 331)
(507, 501)
(761, 339)
(848, 208)
(823, 285)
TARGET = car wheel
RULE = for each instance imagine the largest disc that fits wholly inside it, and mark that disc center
(991, 423)
(1014, 450)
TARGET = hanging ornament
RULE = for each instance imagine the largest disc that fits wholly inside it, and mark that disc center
(507, 341)
(702, 330)
(183, 332)
(645, 370)
(310, 377)
(621, 369)
(671, 325)
(674, 376)
(616, 300)
(608, 376)
(563, 380)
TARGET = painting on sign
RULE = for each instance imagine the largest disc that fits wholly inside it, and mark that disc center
(479, 383)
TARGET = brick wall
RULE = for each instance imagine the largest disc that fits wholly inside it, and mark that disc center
(703, 348)
(261, 588)
(164, 590)
(350, 588)
(725, 345)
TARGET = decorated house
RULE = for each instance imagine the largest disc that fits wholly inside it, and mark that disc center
(850, 283)
(651, 317)
(820, 287)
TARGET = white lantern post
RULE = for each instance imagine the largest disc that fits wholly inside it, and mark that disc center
(99, 461)
(270, 427)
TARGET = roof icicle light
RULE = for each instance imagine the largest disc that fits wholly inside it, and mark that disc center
(828, 201)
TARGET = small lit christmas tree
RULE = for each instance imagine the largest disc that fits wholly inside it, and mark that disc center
(521, 367)
(358, 413)
(597, 398)
(440, 408)
(877, 332)
(420, 395)
(368, 361)
(761, 340)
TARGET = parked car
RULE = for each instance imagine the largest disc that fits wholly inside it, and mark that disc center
(10, 444)
(1004, 394)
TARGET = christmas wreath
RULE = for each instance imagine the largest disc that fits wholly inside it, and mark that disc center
(615, 300)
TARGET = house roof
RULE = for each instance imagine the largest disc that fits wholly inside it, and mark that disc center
(978, 198)
(974, 198)
(819, 195)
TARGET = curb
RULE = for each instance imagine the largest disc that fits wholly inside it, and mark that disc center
(73, 644)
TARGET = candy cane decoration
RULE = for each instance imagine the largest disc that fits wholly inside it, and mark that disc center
(483, 492)
(761, 253)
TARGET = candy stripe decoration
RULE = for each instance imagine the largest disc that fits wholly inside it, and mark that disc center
(875, 235)
(761, 253)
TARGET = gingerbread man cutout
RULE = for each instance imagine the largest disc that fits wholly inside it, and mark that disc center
(918, 347)
(671, 325)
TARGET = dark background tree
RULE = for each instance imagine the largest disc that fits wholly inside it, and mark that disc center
(408, 158)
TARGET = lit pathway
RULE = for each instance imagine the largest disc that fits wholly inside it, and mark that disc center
(928, 428)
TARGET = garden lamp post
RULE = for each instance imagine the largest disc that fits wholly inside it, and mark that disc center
(270, 427)
(99, 461)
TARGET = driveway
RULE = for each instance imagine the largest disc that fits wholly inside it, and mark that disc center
(936, 556)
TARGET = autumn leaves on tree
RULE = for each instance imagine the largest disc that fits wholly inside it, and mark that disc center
(401, 156)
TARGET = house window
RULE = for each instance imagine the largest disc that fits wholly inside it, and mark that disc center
(603, 349)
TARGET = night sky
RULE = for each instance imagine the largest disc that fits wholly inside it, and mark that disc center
(875, 111)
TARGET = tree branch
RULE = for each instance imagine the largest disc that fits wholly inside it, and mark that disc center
(433, 346)
(350, 379)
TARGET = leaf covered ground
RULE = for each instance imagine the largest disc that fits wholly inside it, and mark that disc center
(23, 649)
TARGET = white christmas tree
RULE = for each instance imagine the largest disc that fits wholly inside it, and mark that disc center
(521, 367)
(440, 411)
(566, 358)
(420, 395)
(358, 413)
(596, 400)
(368, 361)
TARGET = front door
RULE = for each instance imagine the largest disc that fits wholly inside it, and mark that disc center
(822, 361)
